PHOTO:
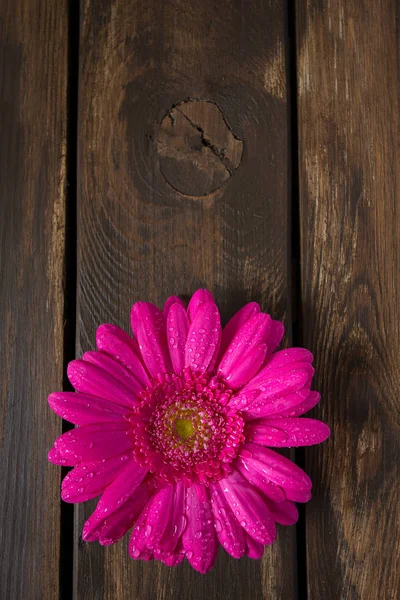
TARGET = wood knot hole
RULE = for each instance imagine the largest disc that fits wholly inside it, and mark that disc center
(198, 151)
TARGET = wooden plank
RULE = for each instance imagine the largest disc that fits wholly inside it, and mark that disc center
(177, 195)
(33, 80)
(348, 98)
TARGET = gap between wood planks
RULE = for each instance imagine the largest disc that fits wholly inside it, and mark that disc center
(297, 305)
(70, 281)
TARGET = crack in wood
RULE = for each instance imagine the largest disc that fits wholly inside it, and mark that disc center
(220, 153)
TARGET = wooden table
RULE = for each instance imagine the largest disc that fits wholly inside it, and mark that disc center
(153, 147)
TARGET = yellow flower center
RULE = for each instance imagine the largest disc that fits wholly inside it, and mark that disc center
(184, 428)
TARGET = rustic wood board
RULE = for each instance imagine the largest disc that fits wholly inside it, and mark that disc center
(348, 100)
(176, 195)
(33, 83)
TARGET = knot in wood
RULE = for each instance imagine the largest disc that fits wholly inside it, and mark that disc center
(197, 149)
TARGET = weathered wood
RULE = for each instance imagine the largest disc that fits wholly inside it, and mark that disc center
(33, 82)
(140, 238)
(348, 95)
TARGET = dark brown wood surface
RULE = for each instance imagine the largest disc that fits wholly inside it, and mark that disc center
(226, 228)
(188, 124)
(348, 99)
(33, 88)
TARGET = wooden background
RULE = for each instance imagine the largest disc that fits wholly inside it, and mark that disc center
(151, 147)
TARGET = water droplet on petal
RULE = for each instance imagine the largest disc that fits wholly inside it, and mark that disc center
(217, 525)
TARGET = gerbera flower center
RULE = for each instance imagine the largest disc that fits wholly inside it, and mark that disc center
(186, 430)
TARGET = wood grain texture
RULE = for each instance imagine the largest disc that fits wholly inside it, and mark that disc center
(348, 95)
(33, 80)
(139, 238)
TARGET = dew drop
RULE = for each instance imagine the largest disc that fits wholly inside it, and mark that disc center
(217, 525)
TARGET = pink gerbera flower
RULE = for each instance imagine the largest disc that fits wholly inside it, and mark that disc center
(175, 430)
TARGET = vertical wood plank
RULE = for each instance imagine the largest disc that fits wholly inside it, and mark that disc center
(183, 168)
(33, 80)
(348, 98)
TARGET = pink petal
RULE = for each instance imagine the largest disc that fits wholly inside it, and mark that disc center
(136, 317)
(203, 339)
(144, 554)
(252, 400)
(236, 322)
(271, 398)
(121, 520)
(278, 470)
(260, 432)
(297, 432)
(282, 363)
(244, 398)
(116, 343)
(115, 369)
(90, 379)
(89, 480)
(275, 335)
(151, 526)
(252, 333)
(122, 488)
(138, 548)
(268, 374)
(298, 495)
(249, 507)
(55, 457)
(307, 404)
(258, 480)
(171, 559)
(82, 409)
(198, 539)
(198, 299)
(283, 358)
(229, 532)
(170, 301)
(250, 365)
(110, 526)
(254, 549)
(151, 335)
(159, 510)
(176, 522)
(94, 442)
(284, 513)
(177, 332)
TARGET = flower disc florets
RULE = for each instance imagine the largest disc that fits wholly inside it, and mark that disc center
(184, 428)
